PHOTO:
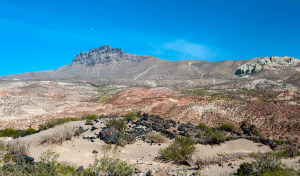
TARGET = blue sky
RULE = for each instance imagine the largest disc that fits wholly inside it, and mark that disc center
(44, 35)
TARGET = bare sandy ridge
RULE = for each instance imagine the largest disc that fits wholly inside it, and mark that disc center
(79, 151)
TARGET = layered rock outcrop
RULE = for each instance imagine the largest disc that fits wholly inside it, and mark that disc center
(105, 55)
(270, 63)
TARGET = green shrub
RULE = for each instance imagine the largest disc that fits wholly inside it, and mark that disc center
(53, 122)
(282, 155)
(258, 135)
(202, 126)
(227, 127)
(198, 135)
(245, 169)
(124, 139)
(156, 137)
(9, 132)
(130, 116)
(180, 151)
(119, 124)
(30, 131)
(88, 122)
(214, 137)
(277, 142)
(89, 117)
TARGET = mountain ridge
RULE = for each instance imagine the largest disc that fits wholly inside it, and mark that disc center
(108, 62)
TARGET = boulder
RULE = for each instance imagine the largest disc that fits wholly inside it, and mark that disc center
(109, 135)
(248, 128)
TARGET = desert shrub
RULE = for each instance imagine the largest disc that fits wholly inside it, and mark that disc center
(9, 132)
(88, 122)
(265, 162)
(291, 150)
(245, 169)
(201, 126)
(58, 137)
(198, 135)
(156, 137)
(30, 131)
(180, 151)
(227, 127)
(119, 124)
(130, 116)
(89, 117)
(47, 166)
(53, 122)
(258, 135)
(277, 142)
(282, 155)
(112, 164)
(17, 147)
(214, 137)
(124, 139)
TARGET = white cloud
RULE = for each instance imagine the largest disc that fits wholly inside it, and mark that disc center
(157, 50)
(186, 50)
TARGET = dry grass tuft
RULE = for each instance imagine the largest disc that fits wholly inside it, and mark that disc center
(58, 137)
(201, 162)
(156, 137)
(17, 147)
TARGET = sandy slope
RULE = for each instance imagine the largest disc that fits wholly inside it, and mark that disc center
(79, 151)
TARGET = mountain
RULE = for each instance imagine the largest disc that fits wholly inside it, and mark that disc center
(108, 62)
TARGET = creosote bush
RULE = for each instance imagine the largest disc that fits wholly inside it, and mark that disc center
(9, 132)
(53, 122)
(202, 126)
(227, 127)
(119, 124)
(214, 137)
(124, 139)
(198, 135)
(156, 137)
(180, 151)
(88, 122)
(267, 164)
(30, 131)
(130, 117)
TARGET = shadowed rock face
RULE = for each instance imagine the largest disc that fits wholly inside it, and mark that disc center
(105, 55)
(270, 63)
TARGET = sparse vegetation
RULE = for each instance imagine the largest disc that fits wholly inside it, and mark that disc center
(119, 124)
(30, 131)
(88, 122)
(58, 137)
(124, 139)
(266, 164)
(53, 122)
(258, 135)
(130, 117)
(180, 151)
(198, 135)
(202, 126)
(214, 137)
(227, 127)
(156, 137)
(201, 162)
(9, 132)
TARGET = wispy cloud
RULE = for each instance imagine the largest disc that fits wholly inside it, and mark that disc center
(186, 50)
(157, 49)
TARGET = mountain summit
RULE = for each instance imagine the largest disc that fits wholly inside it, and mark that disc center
(105, 55)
